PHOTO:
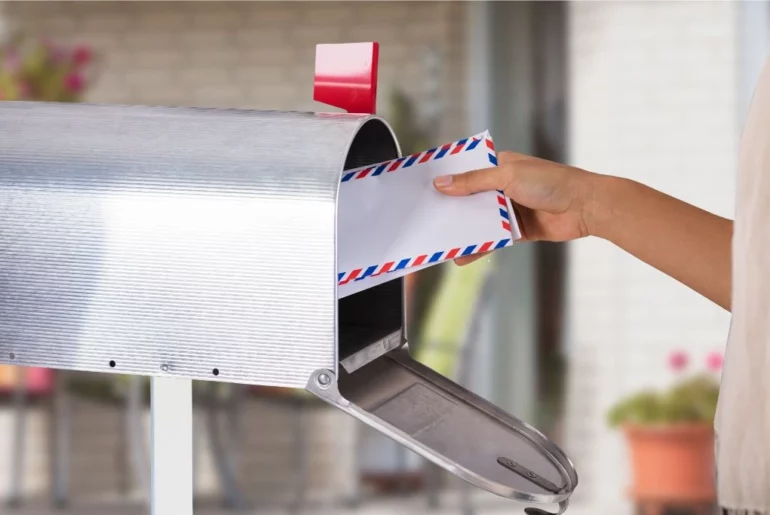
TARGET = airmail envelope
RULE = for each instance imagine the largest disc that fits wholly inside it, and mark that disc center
(391, 221)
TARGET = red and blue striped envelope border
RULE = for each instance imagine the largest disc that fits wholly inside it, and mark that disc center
(402, 163)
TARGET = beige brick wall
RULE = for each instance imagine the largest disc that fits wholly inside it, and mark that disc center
(252, 54)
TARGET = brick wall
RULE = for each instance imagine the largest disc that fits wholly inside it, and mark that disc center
(252, 54)
(653, 97)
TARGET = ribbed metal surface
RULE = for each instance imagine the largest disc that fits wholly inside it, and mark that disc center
(202, 239)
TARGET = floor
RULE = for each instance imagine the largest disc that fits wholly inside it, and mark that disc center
(485, 505)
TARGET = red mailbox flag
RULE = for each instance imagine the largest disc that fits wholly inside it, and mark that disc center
(346, 76)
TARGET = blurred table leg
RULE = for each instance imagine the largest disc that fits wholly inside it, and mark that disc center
(302, 449)
(431, 484)
(136, 435)
(19, 439)
(356, 497)
(62, 440)
(466, 499)
(224, 452)
(234, 448)
(172, 447)
(402, 468)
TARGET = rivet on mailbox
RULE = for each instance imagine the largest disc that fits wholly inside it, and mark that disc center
(189, 240)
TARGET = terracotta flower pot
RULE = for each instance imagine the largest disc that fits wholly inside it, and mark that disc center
(672, 463)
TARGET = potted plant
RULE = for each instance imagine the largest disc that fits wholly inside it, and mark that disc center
(670, 435)
(44, 71)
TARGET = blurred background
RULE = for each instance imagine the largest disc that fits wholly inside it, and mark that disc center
(653, 91)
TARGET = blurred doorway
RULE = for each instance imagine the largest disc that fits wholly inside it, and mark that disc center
(523, 81)
(550, 142)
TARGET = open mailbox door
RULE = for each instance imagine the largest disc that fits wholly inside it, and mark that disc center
(378, 382)
(453, 428)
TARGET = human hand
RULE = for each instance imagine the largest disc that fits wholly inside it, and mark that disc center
(553, 201)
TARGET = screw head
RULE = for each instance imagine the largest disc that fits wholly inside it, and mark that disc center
(12, 355)
(324, 380)
(164, 367)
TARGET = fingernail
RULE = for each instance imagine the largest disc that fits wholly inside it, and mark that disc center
(443, 181)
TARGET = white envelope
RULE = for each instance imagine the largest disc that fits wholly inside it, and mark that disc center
(391, 221)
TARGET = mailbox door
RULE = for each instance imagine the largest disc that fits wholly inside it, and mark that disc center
(379, 383)
(452, 427)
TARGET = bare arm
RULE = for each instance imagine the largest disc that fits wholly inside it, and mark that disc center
(561, 203)
(687, 243)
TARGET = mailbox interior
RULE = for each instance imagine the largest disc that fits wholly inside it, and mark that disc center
(370, 322)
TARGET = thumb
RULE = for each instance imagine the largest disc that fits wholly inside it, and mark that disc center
(487, 179)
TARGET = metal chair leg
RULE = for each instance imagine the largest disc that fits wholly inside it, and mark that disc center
(137, 437)
(61, 441)
(301, 456)
(430, 472)
(402, 468)
(466, 499)
(223, 457)
(234, 440)
(356, 498)
(196, 447)
(20, 441)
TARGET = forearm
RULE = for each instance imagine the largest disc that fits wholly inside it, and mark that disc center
(687, 243)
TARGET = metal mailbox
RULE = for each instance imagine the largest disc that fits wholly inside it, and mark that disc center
(201, 244)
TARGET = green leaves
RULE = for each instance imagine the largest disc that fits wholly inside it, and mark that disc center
(43, 71)
(693, 400)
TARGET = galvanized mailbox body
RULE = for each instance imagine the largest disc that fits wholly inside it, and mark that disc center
(202, 240)
(201, 243)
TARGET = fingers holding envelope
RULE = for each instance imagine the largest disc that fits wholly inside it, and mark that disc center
(549, 199)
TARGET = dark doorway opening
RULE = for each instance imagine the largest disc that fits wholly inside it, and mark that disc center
(550, 141)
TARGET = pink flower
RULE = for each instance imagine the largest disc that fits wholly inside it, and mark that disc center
(714, 361)
(677, 360)
(82, 56)
(74, 83)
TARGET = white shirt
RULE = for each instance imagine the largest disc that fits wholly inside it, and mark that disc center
(743, 414)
